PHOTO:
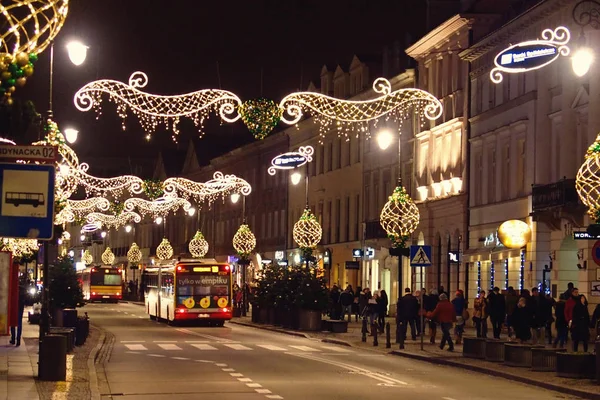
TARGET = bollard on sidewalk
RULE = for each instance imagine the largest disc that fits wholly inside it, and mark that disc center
(400, 328)
(374, 331)
(364, 330)
(388, 341)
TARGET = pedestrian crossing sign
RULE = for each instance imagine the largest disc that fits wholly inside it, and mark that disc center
(420, 256)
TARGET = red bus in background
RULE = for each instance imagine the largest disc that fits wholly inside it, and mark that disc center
(187, 290)
(102, 283)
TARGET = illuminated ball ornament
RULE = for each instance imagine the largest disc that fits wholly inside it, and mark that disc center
(260, 116)
(87, 257)
(198, 245)
(134, 255)
(587, 180)
(307, 230)
(244, 241)
(108, 257)
(514, 234)
(164, 251)
(399, 217)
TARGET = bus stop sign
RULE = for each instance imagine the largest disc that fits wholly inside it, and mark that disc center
(27, 202)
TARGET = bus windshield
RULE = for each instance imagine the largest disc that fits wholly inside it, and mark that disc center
(104, 279)
(203, 290)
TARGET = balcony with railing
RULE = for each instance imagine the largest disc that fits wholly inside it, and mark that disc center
(373, 230)
(557, 200)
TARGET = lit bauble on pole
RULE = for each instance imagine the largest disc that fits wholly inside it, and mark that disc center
(87, 257)
(134, 255)
(587, 181)
(307, 231)
(198, 246)
(244, 241)
(399, 217)
(108, 257)
(164, 251)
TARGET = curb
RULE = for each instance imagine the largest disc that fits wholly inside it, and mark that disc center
(267, 328)
(500, 374)
(338, 342)
(95, 391)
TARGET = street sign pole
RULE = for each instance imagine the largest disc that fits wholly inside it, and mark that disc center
(45, 326)
(422, 310)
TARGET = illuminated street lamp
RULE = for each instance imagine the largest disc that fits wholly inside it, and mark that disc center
(235, 197)
(191, 211)
(384, 139)
(77, 52)
(296, 177)
(585, 15)
(128, 228)
(158, 220)
(71, 135)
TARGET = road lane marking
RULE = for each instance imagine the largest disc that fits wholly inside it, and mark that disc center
(168, 346)
(133, 341)
(273, 396)
(236, 375)
(205, 361)
(221, 365)
(155, 355)
(338, 349)
(271, 347)
(244, 379)
(448, 398)
(209, 337)
(180, 358)
(165, 341)
(228, 370)
(136, 347)
(237, 346)
(263, 391)
(197, 341)
(203, 346)
(141, 317)
(254, 385)
(304, 348)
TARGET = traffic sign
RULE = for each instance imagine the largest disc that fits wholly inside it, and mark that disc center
(27, 203)
(47, 154)
(420, 256)
(596, 252)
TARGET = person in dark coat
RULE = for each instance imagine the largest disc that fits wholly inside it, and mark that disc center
(596, 321)
(522, 321)
(580, 323)
(497, 311)
(335, 307)
(562, 327)
(431, 302)
(15, 337)
(346, 300)
(511, 300)
(355, 307)
(382, 309)
(407, 311)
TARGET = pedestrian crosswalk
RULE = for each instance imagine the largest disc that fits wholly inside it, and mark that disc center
(224, 346)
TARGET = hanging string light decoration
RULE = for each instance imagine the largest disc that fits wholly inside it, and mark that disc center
(153, 110)
(108, 257)
(87, 257)
(113, 221)
(220, 186)
(198, 246)
(307, 231)
(95, 186)
(157, 208)
(587, 181)
(399, 217)
(153, 188)
(28, 27)
(164, 251)
(260, 116)
(20, 247)
(244, 241)
(134, 255)
(345, 116)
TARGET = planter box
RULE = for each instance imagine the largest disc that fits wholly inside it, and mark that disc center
(255, 313)
(519, 355)
(576, 365)
(263, 316)
(309, 320)
(335, 326)
(494, 350)
(544, 360)
(474, 347)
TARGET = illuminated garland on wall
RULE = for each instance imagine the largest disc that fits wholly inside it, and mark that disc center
(399, 217)
(198, 246)
(307, 231)
(108, 256)
(244, 241)
(164, 251)
(153, 110)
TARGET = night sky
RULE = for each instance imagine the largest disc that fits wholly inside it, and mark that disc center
(179, 44)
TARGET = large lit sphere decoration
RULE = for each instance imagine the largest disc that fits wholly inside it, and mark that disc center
(307, 230)
(164, 251)
(198, 245)
(28, 27)
(87, 257)
(108, 257)
(260, 116)
(399, 217)
(134, 255)
(514, 234)
(587, 181)
(244, 241)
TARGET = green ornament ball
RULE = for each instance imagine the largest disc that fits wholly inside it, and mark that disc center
(12, 68)
(11, 82)
(33, 57)
(18, 73)
(2, 90)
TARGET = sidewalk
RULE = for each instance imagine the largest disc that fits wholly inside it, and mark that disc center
(431, 353)
(19, 369)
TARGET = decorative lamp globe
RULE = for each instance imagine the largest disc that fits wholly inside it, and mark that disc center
(87, 257)
(244, 241)
(587, 181)
(134, 255)
(164, 251)
(399, 217)
(307, 230)
(198, 245)
(108, 257)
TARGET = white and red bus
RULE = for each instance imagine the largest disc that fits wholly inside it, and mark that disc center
(186, 290)
(102, 283)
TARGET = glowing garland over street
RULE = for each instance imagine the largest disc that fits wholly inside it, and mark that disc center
(113, 221)
(262, 115)
(220, 185)
(157, 208)
(104, 186)
(20, 247)
(153, 110)
(80, 208)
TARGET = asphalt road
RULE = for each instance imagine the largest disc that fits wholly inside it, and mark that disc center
(154, 361)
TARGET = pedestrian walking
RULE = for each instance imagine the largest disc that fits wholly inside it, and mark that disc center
(562, 327)
(355, 304)
(444, 313)
(382, 309)
(431, 302)
(346, 300)
(497, 311)
(15, 337)
(576, 312)
(511, 300)
(480, 315)
(407, 310)
(462, 315)
(521, 321)
(373, 310)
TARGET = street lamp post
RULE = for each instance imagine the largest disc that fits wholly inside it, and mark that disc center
(585, 13)
(242, 262)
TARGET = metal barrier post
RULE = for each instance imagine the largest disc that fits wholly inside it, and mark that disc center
(374, 331)
(401, 328)
(364, 330)
(388, 341)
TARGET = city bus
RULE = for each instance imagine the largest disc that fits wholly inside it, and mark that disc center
(189, 290)
(102, 283)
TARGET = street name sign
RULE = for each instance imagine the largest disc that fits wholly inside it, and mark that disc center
(45, 154)
(583, 235)
(420, 256)
(291, 160)
(27, 202)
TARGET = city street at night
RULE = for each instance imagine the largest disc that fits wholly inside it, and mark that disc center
(152, 360)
